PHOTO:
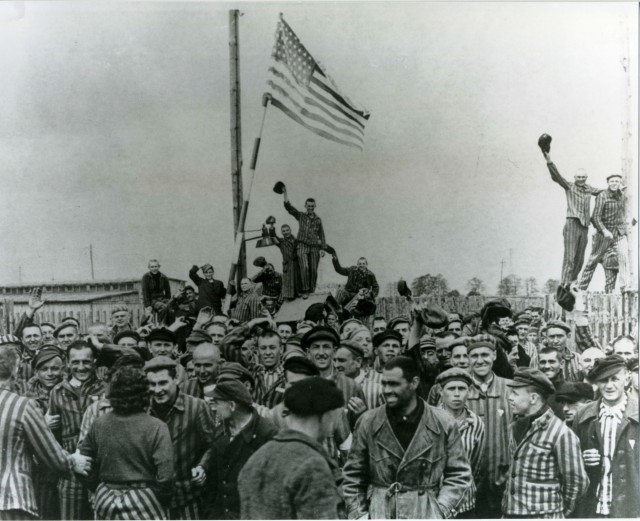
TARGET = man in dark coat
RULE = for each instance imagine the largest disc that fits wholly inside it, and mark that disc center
(359, 278)
(156, 290)
(243, 432)
(609, 432)
(290, 477)
(211, 292)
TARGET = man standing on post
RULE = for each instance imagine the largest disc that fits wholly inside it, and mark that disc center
(547, 476)
(609, 218)
(576, 228)
(211, 292)
(407, 460)
(310, 243)
(191, 428)
(609, 433)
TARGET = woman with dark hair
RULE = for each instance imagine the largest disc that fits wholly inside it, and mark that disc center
(132, 453)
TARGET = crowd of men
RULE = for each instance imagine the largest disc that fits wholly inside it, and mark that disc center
(202, 415)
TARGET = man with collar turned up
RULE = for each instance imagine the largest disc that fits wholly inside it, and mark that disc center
(547, 476)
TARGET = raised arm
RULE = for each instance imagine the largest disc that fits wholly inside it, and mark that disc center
(555, 175)
(336, 266)
(289, 207)
(193, 275)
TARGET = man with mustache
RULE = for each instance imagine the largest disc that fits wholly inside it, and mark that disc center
(191, 426)
(407, 460)
(67, 404)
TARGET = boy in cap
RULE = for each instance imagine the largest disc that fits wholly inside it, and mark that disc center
(243, 432)
(290, 477)
(572, 396)
(211, 292)
(65, 334)
(454, 384)
(609, 432)
(190, 425)
(349, 359)
(401, 324)
(547, 476)
(163, 342)
(386, 345)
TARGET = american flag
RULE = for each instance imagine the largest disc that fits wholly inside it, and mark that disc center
(302, 89)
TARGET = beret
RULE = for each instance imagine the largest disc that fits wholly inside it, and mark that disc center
(234, 371)
(232, 391)
(320, 333)
(9, 339)
(198, 335)
(479, 341)
(47, 324)
(455, 373)
(315, 312)
(534, 378)
(573, 391)
(126, 334)
(544, 142)
(632, 364)
(427, 342)
(494, 311)
(614, 175)
(353, 346)
(73, 320)
(206, 267)
(313, 396)
(299, 365)
(119, 308)
(559, 324)
(159, 363)
(565, 299)
(398, 320)
(434, 316)
(605, 367)
(162, 334)
(46, 354)
(260, 262)
(62, 326)
(386, 335)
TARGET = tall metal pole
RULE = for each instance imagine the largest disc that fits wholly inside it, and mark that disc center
(93, 277)
(236, 136)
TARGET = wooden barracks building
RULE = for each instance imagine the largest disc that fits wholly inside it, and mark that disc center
(89, 302)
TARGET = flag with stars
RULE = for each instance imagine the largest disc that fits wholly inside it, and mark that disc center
(302, 89)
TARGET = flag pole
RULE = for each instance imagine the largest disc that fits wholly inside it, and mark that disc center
(239, 239)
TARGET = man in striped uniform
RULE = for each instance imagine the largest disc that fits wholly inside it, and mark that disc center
(310, 243)
(576, 228)
(246, 305)
(455, 383)
(348, 360)
(558, 334)
(609, 218)
(290, 269)
(191, 427)
(67, 403)
(487, 398)
(206, 361)
(268, 373)
(547, 476)
(23, 435)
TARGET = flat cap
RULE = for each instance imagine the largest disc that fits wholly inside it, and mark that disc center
(315, 312)
(126, 334)
(565, 299)
(232, 391)
(559, 324)
(299, 365)
(613, 175)
(294, 340)
(574, 391)
(494, 311)
(64, 325)
(9, 339)
(455, 373)
(522, 321)
(353, 346)
(163, 334)
(427, 342)
(46, 354)
(313, 396)
(403, 288)
(401, 319)
(532, 377)
(119, 308)
(605, 367)
(434, 316)
(159, 363)
(206, 267)
(320, 333)
(234, 371)
(260, 262)
(72, 320)
(386, 335)
(479, 341)
(198, 336)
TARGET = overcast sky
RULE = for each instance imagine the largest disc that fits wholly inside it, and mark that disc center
(114, 131)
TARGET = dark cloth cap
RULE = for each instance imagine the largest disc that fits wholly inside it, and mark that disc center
(523, 321)
(50, 324)
(385, 335)
(279, 187)
(126, 334)
(299, 365)
(574, 391)
(481, 341)
(534, 378)
(494, 311)
(403, 289)
(232, 391)
(558, 324)
(320, 333)
(295, 340)
(198, 335)
(427, 342)
(434, 317)
(354, 347)
(234, 371)
(605, 367)
(315, 312)
(632, 364)
(62, 326)
(455, 373)
(162, 334)
(206, 267)
(313, 396)
(185, 359)
(46, 354)
(565, 299)
(398, 320)
(260, 262)
(159, 363)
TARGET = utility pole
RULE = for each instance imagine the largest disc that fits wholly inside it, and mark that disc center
(502, 262)
(511, 260)
(236, 136)
(93, 277)
(20, 274)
